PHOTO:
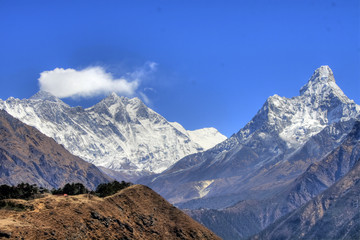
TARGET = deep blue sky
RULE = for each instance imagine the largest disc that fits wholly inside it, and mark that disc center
(218, 61)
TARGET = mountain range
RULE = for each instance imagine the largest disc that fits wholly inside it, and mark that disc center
(251, 216)
(255, 165)
(285, 175)
(27, 155)
(118, 134)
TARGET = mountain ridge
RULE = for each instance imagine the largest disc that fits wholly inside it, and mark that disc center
(118, 133)
(250, 216)
(282, 140)
(277, 131)
(27, 155)
(329, 195)
(136, 212)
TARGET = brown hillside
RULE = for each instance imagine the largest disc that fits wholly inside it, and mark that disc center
(27, 155)
(133, 213)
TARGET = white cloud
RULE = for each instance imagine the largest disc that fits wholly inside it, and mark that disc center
(91, 81)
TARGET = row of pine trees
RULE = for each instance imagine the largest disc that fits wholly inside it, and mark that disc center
(30, 191)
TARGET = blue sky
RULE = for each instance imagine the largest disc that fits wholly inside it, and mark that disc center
(215, 62)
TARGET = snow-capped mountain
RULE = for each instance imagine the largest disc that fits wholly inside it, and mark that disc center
(321, 102)
(205, 137)
(231, 182)
(278, 144)
(117, 133)
(250, 216)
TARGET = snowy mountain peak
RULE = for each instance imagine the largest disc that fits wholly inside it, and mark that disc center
(323, 73)
(322, 85)
(296, 119)
(137, 102)
(43, 95)
(112, 98)
(205, 137)
(117, 133)
(112, 102)
(113, 95)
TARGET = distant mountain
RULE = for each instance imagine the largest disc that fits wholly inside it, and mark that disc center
(275, 147)
(136, 212)
(27, 155)
(334, 214)
(250, 216)
(117, 133)
(263, 159)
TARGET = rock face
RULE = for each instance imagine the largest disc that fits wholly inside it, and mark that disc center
(136, 212)
(255, 165)
(118, 133)
(251, 216)
(334, 214)
(26, 155)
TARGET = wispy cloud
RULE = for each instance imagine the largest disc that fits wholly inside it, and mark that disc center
(92, 81)
(145, 98)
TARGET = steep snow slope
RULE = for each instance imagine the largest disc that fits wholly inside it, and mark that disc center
(321, 102)
(117, 133)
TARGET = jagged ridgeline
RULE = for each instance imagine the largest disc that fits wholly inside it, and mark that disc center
(117, 133)
(296, 155)
(237, 183)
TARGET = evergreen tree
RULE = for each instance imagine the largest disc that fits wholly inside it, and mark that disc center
(107, 189)
(22, 191)
(71, 189)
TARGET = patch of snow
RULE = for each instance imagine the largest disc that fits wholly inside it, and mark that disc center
(203, 187)
(205, 137)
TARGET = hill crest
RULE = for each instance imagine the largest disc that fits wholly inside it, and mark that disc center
(136, 212)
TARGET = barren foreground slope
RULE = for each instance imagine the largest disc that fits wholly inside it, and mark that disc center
(136, 212)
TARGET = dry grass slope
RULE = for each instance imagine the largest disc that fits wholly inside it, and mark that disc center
(136, 212)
